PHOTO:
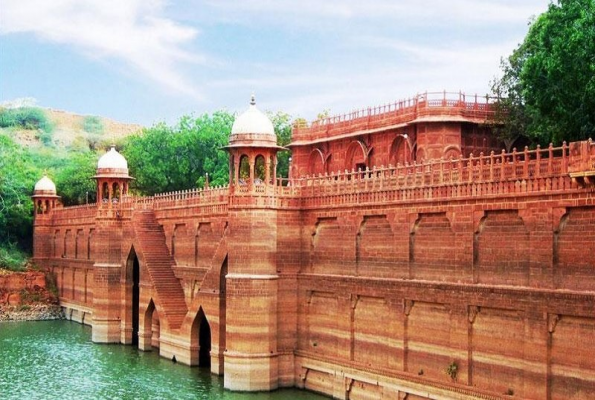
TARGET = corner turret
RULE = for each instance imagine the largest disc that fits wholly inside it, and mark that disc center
(112, 178)
(252, 149)
(44, 196)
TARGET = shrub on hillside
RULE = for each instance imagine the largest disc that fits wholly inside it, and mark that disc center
(12, 258)
(93, 124)
(25, 118)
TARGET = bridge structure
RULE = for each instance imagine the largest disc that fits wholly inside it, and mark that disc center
(405, 257)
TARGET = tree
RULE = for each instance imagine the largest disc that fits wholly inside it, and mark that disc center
(559, 72)
(166, 159)
(283, 128)
(74, 180)
(550, 77)
(17, 178)
(510, 122)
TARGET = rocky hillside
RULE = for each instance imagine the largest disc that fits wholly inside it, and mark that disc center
(70, 130)
(30, 295)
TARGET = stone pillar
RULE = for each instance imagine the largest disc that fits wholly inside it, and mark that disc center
(106, 303)
(106, 283)
(251, 357)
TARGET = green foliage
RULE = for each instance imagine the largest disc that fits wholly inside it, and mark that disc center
(17, 178)
(282, 124)
(452, 370)
(29, 296)
(162, 159)
(93, 124)
(12, 258)
(25, 118)
(75, 178)
(551, 75)
(166, 159)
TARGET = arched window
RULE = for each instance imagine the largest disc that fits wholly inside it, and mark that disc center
(273, 169)
(105, 192)
(316, 163)
(115, 192)
(259, 170)
(244, 173)
(400, 151)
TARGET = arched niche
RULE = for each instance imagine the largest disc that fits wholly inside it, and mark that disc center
(316, 163)
(356, 157)
(401, 151)
(244, 170)
(453, 152)
(260, 172)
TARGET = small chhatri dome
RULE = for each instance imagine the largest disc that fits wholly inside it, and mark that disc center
(112, 159)
(44, 187)
(112, 164)
(252, 129)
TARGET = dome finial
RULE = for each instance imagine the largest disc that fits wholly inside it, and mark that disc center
(253, 99)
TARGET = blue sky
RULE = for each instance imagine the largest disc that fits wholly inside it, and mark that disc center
(144, 61)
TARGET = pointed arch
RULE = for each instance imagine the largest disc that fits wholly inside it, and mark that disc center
(201, 334)
(150, 332)
(316, 162)
(401, 151)
(356, 156)
(132, 297)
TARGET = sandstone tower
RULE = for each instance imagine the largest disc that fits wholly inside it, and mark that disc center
(251, 357)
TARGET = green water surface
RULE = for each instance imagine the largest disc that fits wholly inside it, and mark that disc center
(57, 360)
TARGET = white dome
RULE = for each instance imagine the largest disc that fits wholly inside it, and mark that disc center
(253, 121)
(45, 185)
(112, 160)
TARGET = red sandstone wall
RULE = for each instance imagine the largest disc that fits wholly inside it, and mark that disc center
(497, 337)
(398, 286)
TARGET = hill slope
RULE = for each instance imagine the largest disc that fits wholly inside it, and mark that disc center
(73, 130)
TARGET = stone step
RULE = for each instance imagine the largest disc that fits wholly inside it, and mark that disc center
(159, 263)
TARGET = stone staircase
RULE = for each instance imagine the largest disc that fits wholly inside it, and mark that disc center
(158, 261)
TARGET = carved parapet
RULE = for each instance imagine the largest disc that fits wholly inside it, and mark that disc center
(581, 163)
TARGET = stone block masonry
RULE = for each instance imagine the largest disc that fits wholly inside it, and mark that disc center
(454, 272)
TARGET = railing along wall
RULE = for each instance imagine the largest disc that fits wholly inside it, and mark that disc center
(81, 213)
(496, 174)
(209, 201)
(426, 104)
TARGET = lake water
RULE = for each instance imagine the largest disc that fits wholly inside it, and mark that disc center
(57, 360)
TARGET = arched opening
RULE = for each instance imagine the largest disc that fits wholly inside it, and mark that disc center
(244, 172)
(201, 327)
(316, 163)
(400, 151)
(105, 192)
(357, 156)
(259, 170)
(273, 170)
(451, 152)
(115, 192)
(151, 327)
(133, 293)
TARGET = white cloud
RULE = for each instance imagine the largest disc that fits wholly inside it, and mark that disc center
(417, 12)
(134, 31)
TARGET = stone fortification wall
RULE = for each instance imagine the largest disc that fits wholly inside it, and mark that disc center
(364, 284)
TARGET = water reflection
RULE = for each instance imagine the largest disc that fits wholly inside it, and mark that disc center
(57, 360)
